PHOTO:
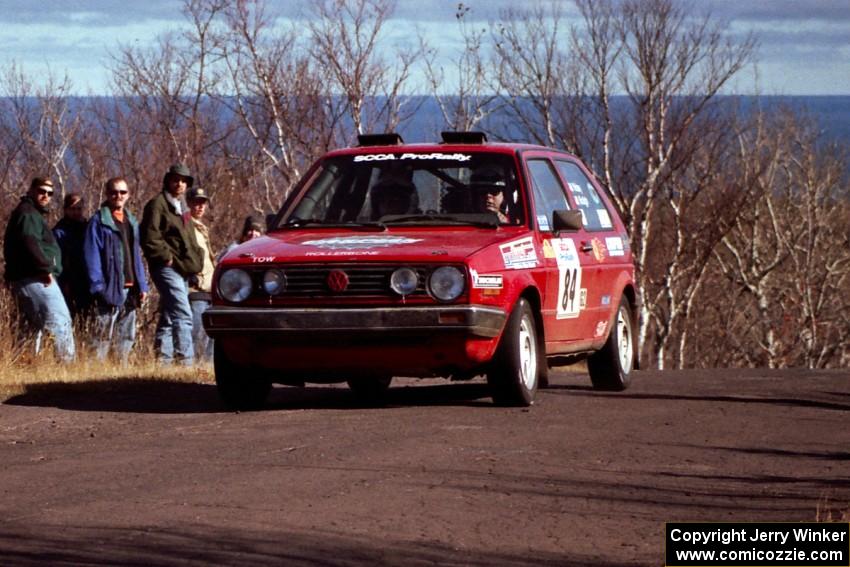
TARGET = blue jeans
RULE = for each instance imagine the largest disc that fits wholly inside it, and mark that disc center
(173, 339)
(45, 309)
(203, 343)
(114, 325)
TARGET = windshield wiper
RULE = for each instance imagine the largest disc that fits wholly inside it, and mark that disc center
(295, 223)
(482, 220)
(362, 224)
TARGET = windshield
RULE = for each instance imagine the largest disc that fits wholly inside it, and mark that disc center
(412, 188)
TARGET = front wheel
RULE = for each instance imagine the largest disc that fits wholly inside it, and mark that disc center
(237, 388)
(515, 370)
(611, 367)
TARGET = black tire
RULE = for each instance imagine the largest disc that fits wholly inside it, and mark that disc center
(611, 367)
(543, 370)
(370, 390)
(515, 371)
(237, 388)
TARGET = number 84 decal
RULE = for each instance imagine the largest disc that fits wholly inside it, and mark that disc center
(569, 281)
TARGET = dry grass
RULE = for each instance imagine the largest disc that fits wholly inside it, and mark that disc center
(15, 379)
(830, 511)
(19, 367)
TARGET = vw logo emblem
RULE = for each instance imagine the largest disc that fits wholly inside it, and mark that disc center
(337, 281)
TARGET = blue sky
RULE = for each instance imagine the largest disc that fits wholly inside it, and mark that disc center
(804, 45)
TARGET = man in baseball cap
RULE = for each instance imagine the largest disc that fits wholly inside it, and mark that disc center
(200, 285)
(173, 254)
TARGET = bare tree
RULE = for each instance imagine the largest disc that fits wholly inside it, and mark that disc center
(39, 118)
(597, 47)
(168, 84)
(273, 89)
(346, 42)
(539, 86)
(673, 68)
(787, 257)
(472, 99)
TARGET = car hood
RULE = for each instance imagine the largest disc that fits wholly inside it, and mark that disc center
(394, 244)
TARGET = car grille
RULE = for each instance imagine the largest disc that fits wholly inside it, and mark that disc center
(363, 280)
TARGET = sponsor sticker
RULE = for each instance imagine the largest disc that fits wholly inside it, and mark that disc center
(615, 246)
(486, 281)
(598, 249)
(582, 300)
(569, 279)
(576, 188)
(360, 242)
(408, 156)
(606, 300)
(548, 251)
(349, 253)
(604, 219)
(581, 201)
(543, 222)
(519, 254)
(601, 327)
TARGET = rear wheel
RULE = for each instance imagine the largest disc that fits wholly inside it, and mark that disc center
(515, 371)
(611, 367)
(237, 388)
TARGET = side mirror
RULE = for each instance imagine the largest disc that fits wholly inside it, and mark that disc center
(566, 220)
(270, 220)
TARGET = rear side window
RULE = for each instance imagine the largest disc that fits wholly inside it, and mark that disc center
(548, 192)
(585, 196)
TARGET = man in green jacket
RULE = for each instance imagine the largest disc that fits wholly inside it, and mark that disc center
(33, 264)
(173, 255)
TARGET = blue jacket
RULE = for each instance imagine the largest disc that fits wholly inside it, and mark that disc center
(104, 253)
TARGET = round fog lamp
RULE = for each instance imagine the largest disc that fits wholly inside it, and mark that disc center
(274, 282)
(235, 285)
(446, 283)
(404, 281)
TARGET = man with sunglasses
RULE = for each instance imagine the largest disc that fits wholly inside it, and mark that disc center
(33, 264)
(113, 256)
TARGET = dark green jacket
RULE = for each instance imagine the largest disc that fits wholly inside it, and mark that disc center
(168, 236)
(29, 246)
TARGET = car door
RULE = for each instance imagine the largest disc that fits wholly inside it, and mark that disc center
(602, 247)
(565, 291)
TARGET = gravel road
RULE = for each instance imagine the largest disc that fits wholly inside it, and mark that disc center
(157, 473)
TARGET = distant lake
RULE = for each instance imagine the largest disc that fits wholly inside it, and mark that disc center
(831, 112)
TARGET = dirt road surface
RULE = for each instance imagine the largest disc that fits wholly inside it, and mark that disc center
(156, 473)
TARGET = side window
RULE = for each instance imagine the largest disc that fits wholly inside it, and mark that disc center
(548, 193)
(593, 211)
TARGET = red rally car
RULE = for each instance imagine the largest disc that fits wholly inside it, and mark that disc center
(455, 259)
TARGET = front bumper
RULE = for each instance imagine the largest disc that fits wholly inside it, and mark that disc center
(471, 320)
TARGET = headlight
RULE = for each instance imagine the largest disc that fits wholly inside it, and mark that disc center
(446, 283)
(274, 282)
(404, 281)
(235, 285)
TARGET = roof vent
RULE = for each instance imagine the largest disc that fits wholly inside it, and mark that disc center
(386, 139)
(463, 137)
